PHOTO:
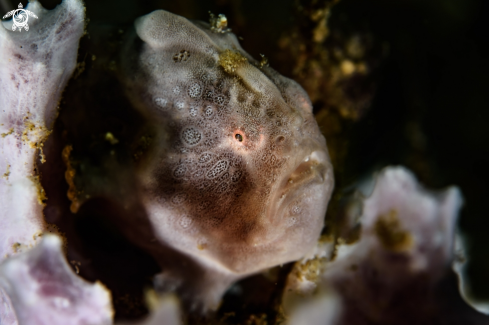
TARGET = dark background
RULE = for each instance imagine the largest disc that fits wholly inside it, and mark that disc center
(430, 106)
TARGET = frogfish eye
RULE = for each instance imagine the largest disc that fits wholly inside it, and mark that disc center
(239, 137)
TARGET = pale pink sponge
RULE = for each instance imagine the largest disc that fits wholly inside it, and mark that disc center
(35, 66)
(406, 246)
(410, 229)
(39, 288)
(395, 271)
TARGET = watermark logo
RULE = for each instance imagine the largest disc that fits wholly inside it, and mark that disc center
(19, 18)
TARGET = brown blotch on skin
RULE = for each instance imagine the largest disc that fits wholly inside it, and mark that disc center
(390, 233)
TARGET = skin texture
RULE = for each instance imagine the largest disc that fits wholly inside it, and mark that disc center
(239, 176)
(34, 69)
(237, 191)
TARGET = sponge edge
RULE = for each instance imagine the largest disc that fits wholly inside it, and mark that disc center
(401, 218)
(39, 288)
(394, 272)
(35, 66)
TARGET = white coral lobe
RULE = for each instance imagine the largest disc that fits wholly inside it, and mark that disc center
(39, 288)
(34, 69)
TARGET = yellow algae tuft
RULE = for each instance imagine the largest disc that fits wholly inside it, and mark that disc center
(230, 61)
(257, 320)
(8, 133)
(263, 61)
(390, 233)
(347, 67)
(37, 235)
(22, 247)
(321, 31)
(310, 270)
(34, 136)
(111, 138)
(305, 276)
(7, 173)
(41, 194)
(17, 247)
(320, 18)
(70, 176)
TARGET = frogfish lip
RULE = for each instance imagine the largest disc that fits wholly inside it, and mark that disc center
(311, 169)
(309, 173)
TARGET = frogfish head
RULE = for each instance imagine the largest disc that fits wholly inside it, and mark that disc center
(239, 175)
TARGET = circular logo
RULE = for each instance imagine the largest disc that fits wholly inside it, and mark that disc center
(19, 18)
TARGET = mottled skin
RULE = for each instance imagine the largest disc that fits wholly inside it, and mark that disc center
(239, 176)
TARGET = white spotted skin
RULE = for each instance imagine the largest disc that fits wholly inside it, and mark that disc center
(241, 151)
